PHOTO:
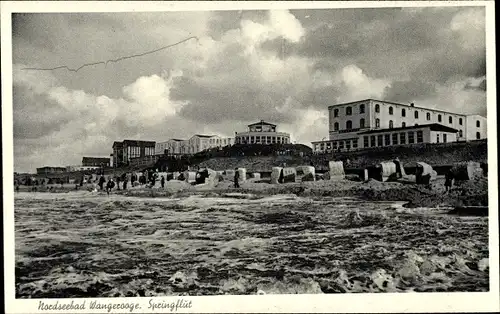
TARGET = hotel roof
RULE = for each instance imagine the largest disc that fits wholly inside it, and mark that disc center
(262, 122)
(432, 126)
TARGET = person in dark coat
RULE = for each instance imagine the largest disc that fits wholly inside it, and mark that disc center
(118, 183)
(101, 182)
(448, 181)
(236, 178)
(125, 181)
(162, 182)
(110, 185)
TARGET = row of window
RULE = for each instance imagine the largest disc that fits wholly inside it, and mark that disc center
(377, 125)
(348, 112)
(336, 145)
(261, 140)
(393, 139)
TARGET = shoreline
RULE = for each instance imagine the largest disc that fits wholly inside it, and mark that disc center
(469, 193)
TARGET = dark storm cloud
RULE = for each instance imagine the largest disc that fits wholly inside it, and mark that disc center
(409, 91)
(35, 115)
(394, 42)
(209, 104)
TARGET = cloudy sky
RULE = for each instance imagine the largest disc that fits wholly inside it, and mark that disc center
(285, 67)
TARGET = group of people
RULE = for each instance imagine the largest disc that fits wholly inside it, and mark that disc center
(122, 181)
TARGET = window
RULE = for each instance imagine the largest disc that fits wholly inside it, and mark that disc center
(348, 111)
(348, 144)
(387, 139)
(365, 141)
(377, 123)
(391, 110)
(403, 112)
(437, 138)
(348, 125)
(355, 143)
(362, 108)
(478, 135)
(478, 124)
(336, 126)
(416, 114)
(440, 118)
(361, 123)
(428, 115)
(335, 113)
(411, 137)
(391, 124)
(420, 136)
(372, 141)
(450, 120)
(377, 108)
(402, 138)
(394, 139)
(379, 140)
(341, 145)
(403, 124)
(445, 138)
(460, 133)
(460, 121)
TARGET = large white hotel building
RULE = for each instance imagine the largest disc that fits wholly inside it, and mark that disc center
(374, 123)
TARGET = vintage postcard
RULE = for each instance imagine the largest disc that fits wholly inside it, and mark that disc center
(165, 157)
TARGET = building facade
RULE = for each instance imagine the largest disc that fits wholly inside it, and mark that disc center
(172, 147)
(262, 133)
(124, 151)
(95, 161)
(347, 121)
(200, 142)
(195, 144)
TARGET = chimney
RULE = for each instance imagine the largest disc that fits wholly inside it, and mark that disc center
(412, 105)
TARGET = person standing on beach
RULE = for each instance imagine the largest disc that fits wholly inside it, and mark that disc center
(101, 182)
(448, 181)
(236, 178)
(110, 185)
(125, 180)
